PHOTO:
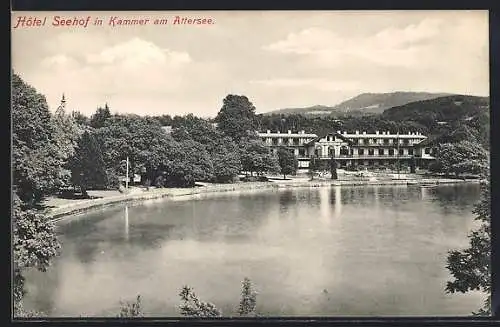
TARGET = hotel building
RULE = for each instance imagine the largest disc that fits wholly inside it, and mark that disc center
(381, 149)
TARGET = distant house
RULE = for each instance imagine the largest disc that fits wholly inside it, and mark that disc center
(353, 149)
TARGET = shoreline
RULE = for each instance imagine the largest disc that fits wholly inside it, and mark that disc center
(83, 206)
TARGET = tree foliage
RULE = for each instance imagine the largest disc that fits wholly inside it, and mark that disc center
(459, 158)
(98, 119)
(67, 133)
(87, 164)
(471, 267)
(236, 117)
(186, 162)
(192, 306)
(256, 157)
(141, 139)
(36, 159)
(226, 160)
(248, 300)
(287, 161)
(34, 244)
(131, 309)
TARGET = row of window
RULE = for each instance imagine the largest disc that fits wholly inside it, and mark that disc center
(381, 152)
(294, 141)
(370, 152)
(384, 141)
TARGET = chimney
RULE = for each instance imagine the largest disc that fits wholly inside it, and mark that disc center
(409, 133)
(364, 133)
(387, 133)
(345, 133)
(357, 132)
(302, 132)
(289, 132)
(376, 132)
(268, 131)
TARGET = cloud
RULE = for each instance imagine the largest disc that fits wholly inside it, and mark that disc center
(138, 52)
(58, 61)
(132, 68)
(444, 52)
(389, 47)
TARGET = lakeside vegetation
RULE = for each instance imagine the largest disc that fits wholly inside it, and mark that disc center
(56, 152)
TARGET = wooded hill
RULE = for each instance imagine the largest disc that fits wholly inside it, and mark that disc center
(363, 104)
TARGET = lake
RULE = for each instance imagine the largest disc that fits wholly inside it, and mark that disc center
(329, 251)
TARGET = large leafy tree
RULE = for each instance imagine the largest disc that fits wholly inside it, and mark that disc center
(98, 119)
(287, 161)
(256, 157)
(87, 165)
(236, 117)
(141, 139)
(34, 244)
(192, 306)
(226, 160)
(222, 150)
(67, 133)
(471, 267)
(463, 157)
(185, 163)
(36, 160)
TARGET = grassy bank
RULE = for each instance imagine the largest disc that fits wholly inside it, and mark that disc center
(58, 209)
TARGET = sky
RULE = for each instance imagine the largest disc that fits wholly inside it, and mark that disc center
(278, 59)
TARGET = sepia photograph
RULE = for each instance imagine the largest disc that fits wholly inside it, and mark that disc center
(250, 164)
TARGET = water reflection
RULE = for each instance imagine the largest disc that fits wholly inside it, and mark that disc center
(126, 223)
(322, 251)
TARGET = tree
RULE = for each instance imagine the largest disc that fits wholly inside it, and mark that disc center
(248, 300)
(34, 244)
(236, 117)
(333, 167)
(226, 160)
(66, 135)
(413, 165)
(36, 161)
(287, 161)
(98, 119)
(87, 165)
(471, 267)
(131, 309)
(256, 157)
(186, 162)
(80, 118)
(462, 157)
(140, 138)
(192, 306)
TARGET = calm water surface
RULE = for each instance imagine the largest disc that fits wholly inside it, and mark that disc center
(309, 251)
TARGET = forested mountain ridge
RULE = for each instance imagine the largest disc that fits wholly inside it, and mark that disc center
(445, 109)
(363, 104)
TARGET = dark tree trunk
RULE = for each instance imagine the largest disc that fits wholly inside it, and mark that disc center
(333, 168)
(84, 192)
